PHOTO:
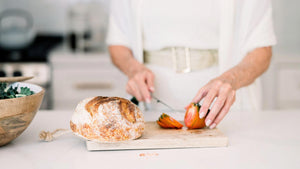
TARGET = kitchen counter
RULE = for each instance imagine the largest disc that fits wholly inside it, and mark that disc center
(267, 139)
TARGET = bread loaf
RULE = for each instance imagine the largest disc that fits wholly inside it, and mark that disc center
(107, 119)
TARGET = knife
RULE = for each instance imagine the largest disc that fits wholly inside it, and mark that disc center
(161, 102)
(135, 101)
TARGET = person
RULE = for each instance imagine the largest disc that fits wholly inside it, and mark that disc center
(193, 51)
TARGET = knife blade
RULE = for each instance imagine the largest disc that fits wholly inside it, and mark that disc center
(161, 102)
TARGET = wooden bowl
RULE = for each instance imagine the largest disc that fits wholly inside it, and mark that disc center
(16, 114)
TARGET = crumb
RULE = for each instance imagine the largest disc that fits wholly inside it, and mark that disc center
(142, 155)
(148, 154)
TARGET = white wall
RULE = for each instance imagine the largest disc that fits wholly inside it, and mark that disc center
(50, 15)
(287, 29)
(287, 26)
(1, 5)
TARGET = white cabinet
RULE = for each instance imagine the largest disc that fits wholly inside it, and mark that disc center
(288, 85)
(78, 76)
(281, 83)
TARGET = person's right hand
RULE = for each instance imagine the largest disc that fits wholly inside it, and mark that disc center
(141, 84)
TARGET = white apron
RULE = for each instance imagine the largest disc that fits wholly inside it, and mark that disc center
(178, 89)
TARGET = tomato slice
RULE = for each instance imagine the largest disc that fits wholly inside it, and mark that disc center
(166, 121)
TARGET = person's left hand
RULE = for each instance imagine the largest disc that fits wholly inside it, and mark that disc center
(224, 92)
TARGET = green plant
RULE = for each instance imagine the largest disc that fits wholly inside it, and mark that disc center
(8, 92)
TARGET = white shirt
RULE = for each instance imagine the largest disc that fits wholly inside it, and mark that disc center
(183, 23)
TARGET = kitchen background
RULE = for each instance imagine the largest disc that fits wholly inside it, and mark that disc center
(62, 45)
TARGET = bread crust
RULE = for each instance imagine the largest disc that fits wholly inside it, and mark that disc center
(107, 119)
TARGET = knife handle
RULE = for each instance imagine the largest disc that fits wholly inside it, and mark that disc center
(134, 100)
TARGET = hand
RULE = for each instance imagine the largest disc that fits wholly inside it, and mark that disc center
(221, 89)
(140, 84)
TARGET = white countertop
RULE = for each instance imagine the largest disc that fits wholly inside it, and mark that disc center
(268, 139)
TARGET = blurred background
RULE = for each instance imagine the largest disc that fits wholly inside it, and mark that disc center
(62, 44)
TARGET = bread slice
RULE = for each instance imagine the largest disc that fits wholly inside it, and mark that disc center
(107, 119)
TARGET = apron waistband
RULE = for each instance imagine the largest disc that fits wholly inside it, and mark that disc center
(182, 59)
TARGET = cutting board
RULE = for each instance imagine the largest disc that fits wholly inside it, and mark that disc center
(156, 137)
